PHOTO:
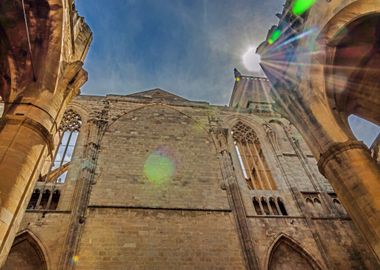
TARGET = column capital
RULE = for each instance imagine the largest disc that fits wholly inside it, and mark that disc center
(337, 148)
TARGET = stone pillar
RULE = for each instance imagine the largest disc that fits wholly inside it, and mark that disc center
(355, 176)
(40, 72)
(24, 143)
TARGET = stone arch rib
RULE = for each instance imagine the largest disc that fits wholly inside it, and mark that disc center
(285, 254)
(27, 253)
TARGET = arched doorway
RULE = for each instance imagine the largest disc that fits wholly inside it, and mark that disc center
(288, 255)
(26, 254)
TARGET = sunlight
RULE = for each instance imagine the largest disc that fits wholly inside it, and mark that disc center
(251, 60)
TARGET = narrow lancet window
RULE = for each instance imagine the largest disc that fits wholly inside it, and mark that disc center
(251, 157)
(256, 204)
(34, 199)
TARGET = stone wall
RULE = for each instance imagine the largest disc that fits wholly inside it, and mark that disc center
(159, 200)
(159, 239)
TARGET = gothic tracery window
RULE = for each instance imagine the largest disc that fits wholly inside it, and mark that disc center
(69, 131)
(254, 166)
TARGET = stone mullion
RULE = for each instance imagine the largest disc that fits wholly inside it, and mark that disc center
(50, 198)
(247, 165)
(66, 147)
(54, 157)
(255, 166)
(39, 198)
(262, 165)
(261, 206)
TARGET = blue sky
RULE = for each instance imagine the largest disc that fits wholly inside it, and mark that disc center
(188, 47)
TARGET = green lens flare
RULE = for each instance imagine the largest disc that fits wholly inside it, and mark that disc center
(301, 6)
(158, 168)
(275, 35)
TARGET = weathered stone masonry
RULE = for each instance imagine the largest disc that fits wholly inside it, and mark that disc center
(205, 215)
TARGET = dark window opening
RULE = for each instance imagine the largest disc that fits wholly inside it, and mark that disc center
(256, 204)
(265, 206)
(55, 199)
(44, 199)
(282, 207)
(34, 199)
(273, 206)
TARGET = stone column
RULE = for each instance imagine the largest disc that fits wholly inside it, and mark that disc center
(355, 176)
(40, 72)
(26, 138)
(24, 144)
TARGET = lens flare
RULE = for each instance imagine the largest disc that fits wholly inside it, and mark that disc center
(274, 36)
(159, 168)
(75, 259)
(301, 6)
(251, 61)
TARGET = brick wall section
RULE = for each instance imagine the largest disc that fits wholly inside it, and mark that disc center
(152, 239)
(126, 147)
(345, 245)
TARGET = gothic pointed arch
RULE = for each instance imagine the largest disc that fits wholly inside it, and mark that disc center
(286, 254)
(27, 253)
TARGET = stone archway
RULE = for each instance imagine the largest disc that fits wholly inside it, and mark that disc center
(26, 254)
(288, 255)
(355, 67)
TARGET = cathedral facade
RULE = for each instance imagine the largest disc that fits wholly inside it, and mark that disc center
(155, 181)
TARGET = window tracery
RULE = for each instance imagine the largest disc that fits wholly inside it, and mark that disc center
(251, 157)
(69, 131)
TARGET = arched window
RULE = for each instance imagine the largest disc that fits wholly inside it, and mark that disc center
(282, 207)
(318, 205)
(54, 200)
(34, 199)
(251, 157)
(44, 199)
(265, 206)
(56, 171)
(273, 206)
(256, 204)
(309, 202)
